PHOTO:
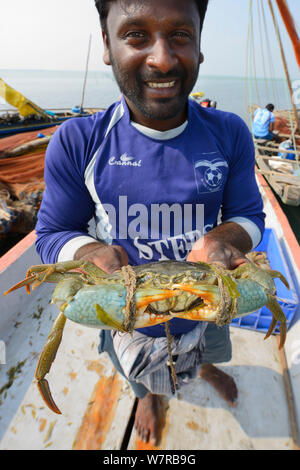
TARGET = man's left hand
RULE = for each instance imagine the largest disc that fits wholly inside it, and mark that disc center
(227, 245)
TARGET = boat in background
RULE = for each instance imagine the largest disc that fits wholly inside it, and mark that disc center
(28, 116)
(21, 183)
(278, 162)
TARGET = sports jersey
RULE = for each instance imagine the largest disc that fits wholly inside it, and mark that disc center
(154, 196)
(261, 122)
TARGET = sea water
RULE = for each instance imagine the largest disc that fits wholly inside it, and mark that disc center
(64, 89)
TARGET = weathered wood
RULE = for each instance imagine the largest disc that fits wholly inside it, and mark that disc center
(276, 159)
(28, 147)
(280, 177)
(78, 377)
(270, 149)
(200, 420)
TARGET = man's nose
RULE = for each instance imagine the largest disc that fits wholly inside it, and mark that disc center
(161, 56)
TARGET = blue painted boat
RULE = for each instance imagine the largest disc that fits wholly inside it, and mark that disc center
(28, 116)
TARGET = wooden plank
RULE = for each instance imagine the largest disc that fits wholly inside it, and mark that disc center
(282, 178)
(201, 420)
(270, 149)
(105, 421)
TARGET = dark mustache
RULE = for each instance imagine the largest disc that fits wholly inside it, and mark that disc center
(173, 74)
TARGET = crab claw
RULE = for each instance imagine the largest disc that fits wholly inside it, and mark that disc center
(44, 390)
(278, 315)
(46, 359)
(26, 282)
(280, 276)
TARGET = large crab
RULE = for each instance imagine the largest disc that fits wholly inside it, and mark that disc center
(146, 295)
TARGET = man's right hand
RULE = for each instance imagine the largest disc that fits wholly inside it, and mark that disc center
(107, 257)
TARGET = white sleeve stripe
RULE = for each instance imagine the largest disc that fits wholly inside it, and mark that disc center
(69, 249)
(250, 227)
(118, 113)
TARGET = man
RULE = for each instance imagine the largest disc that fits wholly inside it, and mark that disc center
(145, 168)
(263, 123)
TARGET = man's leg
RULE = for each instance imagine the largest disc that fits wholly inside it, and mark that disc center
(149, 413)
(106, 345)
(218, 349)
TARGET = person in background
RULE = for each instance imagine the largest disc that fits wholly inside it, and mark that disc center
(263, 123)
(287, 145)
(205, 103)
(154, 148)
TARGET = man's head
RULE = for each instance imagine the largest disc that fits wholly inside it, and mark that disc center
(270, 107)
(153, 47)
(103, 7)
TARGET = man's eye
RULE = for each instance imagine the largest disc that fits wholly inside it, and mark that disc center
(181, 34)
(134, 35)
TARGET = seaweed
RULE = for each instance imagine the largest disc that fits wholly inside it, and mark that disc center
(12, 375)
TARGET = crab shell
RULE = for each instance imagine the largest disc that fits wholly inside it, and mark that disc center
(163, 290)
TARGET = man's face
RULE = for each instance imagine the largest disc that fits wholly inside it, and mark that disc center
(154, 49)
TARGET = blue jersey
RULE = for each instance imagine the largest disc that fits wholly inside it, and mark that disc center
(154, 197)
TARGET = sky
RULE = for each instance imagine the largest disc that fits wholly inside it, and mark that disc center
(54, 35)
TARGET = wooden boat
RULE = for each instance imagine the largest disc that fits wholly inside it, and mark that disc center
(12, 123)
(21, 183)
(28, 116)
(98, 405)
(282, 174)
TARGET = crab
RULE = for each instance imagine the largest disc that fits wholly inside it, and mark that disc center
(150, 294)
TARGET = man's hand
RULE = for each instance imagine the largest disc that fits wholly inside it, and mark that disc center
(227, 245)
(107, 257)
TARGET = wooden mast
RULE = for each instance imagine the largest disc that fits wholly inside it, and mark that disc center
(290, 27)
(285, 68)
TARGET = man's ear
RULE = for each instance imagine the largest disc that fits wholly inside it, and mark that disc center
(201, 58)
(106, 56)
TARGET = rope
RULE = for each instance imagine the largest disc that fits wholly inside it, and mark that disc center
(129, 277)
(269, 55)
(171, 364)
(262, 51)
(227, 308)
(247, 78)
(292, 128)
(254, 62)
(130, 307)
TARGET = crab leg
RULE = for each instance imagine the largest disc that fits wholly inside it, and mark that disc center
(37, 275)
(278, 315)
(46, 358)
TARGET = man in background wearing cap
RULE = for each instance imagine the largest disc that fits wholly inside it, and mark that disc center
(154, 148)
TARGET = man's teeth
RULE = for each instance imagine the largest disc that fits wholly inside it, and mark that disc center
(161, 85)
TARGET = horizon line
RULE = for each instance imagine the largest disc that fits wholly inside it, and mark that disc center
(110, 72)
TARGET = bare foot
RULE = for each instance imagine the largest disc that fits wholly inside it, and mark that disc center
(149, 418)
(223, 383)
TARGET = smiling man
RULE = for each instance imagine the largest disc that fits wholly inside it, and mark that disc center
(164, 179)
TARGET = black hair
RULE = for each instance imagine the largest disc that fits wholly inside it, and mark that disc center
(103, 7)
(270, 107)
